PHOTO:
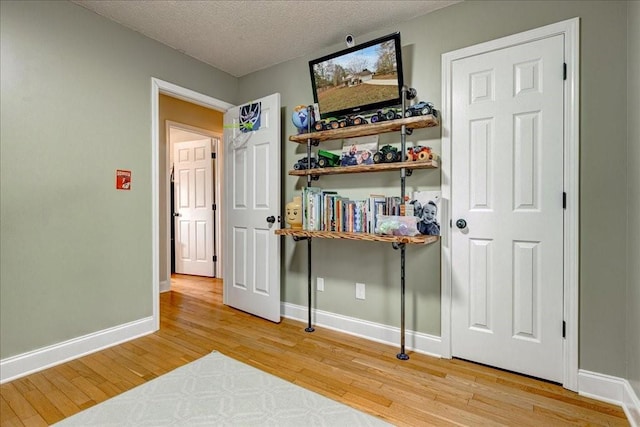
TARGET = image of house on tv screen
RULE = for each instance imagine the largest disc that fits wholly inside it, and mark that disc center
(364, 77)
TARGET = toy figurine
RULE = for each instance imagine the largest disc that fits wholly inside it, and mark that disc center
(294, 213)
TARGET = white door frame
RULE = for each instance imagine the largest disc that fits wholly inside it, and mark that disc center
(570, 31)
(217, 148)
(157, 87)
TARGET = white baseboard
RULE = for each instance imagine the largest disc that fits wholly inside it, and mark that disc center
(617, 391)
(415, 341)
(18, 366)
(631, 405)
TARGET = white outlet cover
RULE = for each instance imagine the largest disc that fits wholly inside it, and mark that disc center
(360, 291)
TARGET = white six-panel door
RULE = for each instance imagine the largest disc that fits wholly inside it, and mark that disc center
(252, 185)
(507, 185)
(193, 207)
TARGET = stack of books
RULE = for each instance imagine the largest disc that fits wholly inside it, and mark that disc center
(328, 211)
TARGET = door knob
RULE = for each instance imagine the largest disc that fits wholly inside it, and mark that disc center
(271, 219)
(461, 223)
(177, 214)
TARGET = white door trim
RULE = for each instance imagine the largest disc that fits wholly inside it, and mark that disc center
(160, 86)
(216, 148)
(570, 31)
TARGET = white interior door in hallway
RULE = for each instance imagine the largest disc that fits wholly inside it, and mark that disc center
(507, 208)
(252, 209)
(194, 222)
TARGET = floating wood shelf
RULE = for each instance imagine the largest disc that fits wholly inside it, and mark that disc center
(381, 167)
(364, 130)
(366, 237)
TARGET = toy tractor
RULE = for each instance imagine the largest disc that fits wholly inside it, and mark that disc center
(327, 159)
(387, 154)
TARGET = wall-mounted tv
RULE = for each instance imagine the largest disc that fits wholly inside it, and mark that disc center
(358, 79)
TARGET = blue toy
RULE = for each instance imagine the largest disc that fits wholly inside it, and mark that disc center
(301, 118)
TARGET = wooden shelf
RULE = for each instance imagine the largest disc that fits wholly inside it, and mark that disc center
(314, 138)
(366, 237)
(427, 164)
(364, 130)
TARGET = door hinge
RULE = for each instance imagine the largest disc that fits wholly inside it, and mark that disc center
(564, 71)
(214, 207)
(215, 258)
(564, 329)
(564, 200)
(213, 155)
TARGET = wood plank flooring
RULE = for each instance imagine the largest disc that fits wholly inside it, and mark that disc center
(366, 375)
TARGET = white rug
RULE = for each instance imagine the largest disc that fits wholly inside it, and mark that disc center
(216, 390)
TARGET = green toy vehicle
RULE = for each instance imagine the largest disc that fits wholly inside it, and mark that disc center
(387, 154)
(327, 159)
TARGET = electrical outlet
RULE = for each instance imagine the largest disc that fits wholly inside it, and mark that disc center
(320, 284)
(359, 290)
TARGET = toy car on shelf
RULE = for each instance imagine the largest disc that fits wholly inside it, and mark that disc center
(420, 153)
(420, 109)
(384, 115)
(329, 123)
(387, 154)
(355, 121)
(327, 159)
(302, 164)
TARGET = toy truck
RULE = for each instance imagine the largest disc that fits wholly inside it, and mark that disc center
(420, 109)
(302, 164)
(327, 159)
(356, 120)
(419, 153)
(384, 115)
(387, 154)
(329, 123)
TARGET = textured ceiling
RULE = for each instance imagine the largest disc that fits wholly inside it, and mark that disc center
(240, 37)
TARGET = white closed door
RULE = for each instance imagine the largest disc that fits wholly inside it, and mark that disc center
(193, 208)
(251, 249)
(507, 186)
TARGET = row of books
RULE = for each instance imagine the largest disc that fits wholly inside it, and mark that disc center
(328, 211)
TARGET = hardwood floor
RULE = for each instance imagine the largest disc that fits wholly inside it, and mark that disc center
(360, 373)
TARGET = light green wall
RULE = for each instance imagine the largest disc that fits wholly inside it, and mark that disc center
(603, 149)
(344, 263)
(75, 106)
(633, 194)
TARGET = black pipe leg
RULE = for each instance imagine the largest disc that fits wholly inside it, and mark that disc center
(309, 328)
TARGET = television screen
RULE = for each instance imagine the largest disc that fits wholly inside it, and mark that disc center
(358, 79)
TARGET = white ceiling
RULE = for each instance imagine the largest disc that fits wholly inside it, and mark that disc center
(240, 37)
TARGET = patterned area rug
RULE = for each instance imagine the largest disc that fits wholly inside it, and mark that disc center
(216, 390)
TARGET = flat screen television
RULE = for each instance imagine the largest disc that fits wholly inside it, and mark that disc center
(361, 78)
